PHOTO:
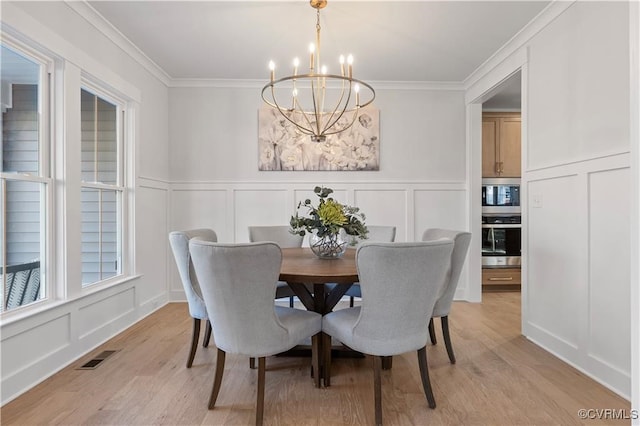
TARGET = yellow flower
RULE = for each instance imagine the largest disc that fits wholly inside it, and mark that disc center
(331, 213)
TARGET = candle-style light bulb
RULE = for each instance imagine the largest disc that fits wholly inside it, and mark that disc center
(341, 65)
(312, 49)
(350, 63)
(356, 89)
(323, 70)
(272, 68)
(296, 62)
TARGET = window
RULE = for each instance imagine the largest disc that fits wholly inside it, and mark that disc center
(102, 187)
(25, 182)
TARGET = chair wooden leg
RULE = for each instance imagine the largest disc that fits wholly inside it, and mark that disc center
(444, 321)
(217, 381)
(424, 375)
(432, 332)
(326, 359)
(194, 341)
(207, 334)
(377, 388)
(387, 362)
(315, 358)
(351, 301)
(260, 401)
(252, 363)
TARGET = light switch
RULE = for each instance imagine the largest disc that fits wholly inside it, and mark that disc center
(536, 201)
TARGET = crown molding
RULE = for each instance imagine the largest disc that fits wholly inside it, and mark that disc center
(258, 84)
(85, 10)
(537, 24)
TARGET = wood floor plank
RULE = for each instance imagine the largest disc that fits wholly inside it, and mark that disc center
(500, 378)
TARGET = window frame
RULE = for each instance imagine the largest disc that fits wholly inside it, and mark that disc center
(121, 187)
(44, 177)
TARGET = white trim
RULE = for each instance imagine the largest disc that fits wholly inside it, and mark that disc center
(544, 18)
(101, 24)
(13, 18)
(258, 84)
(634, 135)
(484, 88)
(85, 10)
(305, 185)
(474, 201)
(35, 311)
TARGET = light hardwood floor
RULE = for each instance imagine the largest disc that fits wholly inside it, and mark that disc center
(500, 379)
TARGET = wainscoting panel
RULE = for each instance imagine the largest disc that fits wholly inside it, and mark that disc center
(202, 207)
(438, 208)
(50, 337)
(557, 257)
(339, 193)
(410, 206)
(609, 224)
(259, 207)
(101, 313)
(152, 292)
(577, 288)
(385, 207)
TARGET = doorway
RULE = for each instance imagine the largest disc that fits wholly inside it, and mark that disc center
(501, 172)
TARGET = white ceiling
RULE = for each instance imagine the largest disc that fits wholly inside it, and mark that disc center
(429, 41)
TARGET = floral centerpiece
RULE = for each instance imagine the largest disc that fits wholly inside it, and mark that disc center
(327, 222)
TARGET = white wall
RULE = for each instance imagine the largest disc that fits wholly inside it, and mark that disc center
(36, 346)
(578, 159)
(578, 172)
(577, 187)
(216, 182)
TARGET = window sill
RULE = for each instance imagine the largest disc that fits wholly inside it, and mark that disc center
(36, 308)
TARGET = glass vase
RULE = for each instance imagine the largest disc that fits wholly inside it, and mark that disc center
(329, 246)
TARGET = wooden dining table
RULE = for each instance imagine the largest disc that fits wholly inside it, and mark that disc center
(303, 270)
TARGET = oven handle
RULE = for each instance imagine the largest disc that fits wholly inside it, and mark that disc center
(502, 225)
(493, 240)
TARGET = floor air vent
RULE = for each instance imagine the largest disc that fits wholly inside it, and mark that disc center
(97, 360)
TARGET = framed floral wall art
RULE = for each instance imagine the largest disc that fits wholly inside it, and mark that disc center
(282, 147)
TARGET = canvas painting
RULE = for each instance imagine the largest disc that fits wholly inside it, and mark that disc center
(283, 147)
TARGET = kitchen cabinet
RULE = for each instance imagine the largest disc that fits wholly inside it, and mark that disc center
(501, 279)
(501, 152)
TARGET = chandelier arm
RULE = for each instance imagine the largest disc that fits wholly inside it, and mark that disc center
(356, 113)
(327, 125)
(277, 106)
(346, 105)
(315, 108)
(304, 114)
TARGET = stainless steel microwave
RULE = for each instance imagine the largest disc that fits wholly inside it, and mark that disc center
(501, 195)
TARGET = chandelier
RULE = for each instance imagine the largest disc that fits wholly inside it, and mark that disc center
(318, 103)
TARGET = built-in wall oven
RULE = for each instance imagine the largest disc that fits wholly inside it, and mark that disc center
(501, 223)
(501, 241)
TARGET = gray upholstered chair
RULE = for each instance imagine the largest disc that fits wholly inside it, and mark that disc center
(285, 239)
(180, 246)
(461, 241)
(238, 282)
(377, 234)
(400, 285)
